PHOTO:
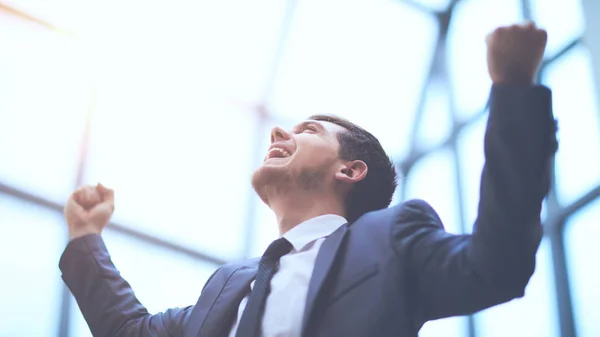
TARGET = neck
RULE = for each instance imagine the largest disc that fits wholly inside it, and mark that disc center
(293, 210)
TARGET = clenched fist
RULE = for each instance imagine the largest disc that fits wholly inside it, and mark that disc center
(515, 52)
(88, 210)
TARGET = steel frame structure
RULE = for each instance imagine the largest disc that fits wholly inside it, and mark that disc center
(557, 214)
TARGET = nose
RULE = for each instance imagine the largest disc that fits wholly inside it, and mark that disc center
(278, 133)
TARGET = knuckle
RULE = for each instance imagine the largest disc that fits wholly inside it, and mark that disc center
(503, 32)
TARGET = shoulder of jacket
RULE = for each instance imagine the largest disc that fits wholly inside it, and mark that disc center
(226, 270)
(408, 210)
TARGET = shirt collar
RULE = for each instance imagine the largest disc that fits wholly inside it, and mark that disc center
(313, 229)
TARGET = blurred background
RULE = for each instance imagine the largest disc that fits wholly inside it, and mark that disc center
(171, 103)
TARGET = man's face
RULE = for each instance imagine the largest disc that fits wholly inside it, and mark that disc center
(303, 158)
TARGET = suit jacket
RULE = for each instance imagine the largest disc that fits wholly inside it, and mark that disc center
(387, 273)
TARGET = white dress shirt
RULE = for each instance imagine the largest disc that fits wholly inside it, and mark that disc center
(284, 309)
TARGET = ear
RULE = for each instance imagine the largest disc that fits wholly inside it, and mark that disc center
(352, 172)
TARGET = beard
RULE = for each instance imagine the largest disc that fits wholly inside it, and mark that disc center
(269, 181)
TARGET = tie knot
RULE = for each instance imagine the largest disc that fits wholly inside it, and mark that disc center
(278, 248)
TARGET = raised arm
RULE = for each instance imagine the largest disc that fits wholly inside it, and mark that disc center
(106, 300)
(462, 274)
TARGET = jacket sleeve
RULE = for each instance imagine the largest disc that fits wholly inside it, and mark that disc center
(462, 274)
(106, 300)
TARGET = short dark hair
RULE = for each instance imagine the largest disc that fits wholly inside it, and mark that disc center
(376, 190)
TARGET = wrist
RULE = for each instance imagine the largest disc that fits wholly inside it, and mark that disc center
(81, 232)
(516, 78)
(514, 83)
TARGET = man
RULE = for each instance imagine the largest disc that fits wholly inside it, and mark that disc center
(346, 265)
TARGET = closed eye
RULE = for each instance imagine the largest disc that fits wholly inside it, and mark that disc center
(310, 128)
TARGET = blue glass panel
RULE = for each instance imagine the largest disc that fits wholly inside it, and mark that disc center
(44, 101)
(447, 327)
(471, 159)
(576, 108)
(185, 52)
(176, 176)
(433, 179)
(471, 21)
(436, 123)
(360, 65)
(563, 20)
(581, 244)
(535, 314)
(31, 242)
(173, 118)
(437, 5)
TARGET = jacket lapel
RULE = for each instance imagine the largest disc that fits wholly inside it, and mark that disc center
(323, 265)
(220, 314)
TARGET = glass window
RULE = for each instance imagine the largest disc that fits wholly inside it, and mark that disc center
(433, 179)
(563, 20)
(160, 278)
(436, 124)
(244, 39)
(471, 159)
(175, 174)
(172, 114)
(437, 5)
(576, 109)
(471, 21)
(581, 244)
(44, 101)
(200, 50)
(199, 47)
(31, 242)
(363, 67)
(535, 314)
(447, 327)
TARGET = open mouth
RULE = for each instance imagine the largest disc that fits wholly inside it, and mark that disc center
(277, 152)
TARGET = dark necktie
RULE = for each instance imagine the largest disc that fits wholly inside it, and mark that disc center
(252, 317)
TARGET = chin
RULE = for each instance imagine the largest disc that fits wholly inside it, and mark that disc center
(267, 174)
(268, 177)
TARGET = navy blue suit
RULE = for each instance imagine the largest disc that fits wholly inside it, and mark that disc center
(387, 273)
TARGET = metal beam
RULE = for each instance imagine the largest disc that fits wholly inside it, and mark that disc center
(576, 42)
(560, 272)
(115, 227)
(591, 39)
(580, 203)
(12, 11)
